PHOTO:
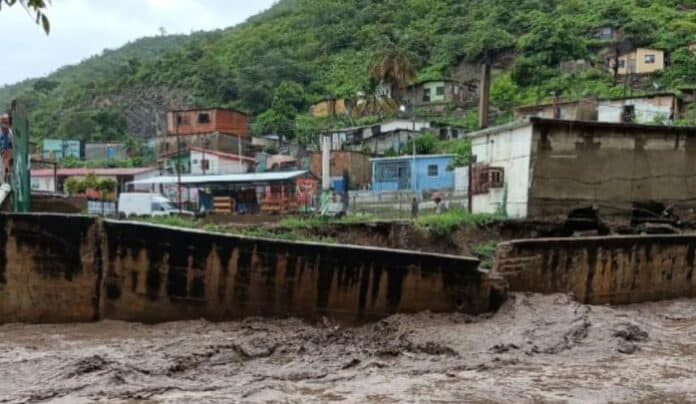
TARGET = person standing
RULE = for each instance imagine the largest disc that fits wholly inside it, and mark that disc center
(414, 208)
(5, 145)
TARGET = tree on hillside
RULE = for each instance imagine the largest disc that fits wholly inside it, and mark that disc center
(395, 67)
(34, 6)
(288, 101)
(550, 41)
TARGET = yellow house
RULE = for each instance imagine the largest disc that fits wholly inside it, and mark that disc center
(329, 107)
(640, 61)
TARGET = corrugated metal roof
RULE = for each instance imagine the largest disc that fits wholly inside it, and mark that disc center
(223, 179)
(99, 172)
(410, 157)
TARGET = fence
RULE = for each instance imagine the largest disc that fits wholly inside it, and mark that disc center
(398, 204)
(101, 208)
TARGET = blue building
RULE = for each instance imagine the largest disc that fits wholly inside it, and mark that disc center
(57, 149)
(395, 173)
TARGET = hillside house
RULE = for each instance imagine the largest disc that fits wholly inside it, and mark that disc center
(639, 61)
(105, 151)
(438, 95)
(644, 109)
(544, 168)
(354, 137)
(356, 164)
(432, 173)
(58, 149)
(218, 129)
(329, 106)
(606, 34)
(209, 162)
(584, 110)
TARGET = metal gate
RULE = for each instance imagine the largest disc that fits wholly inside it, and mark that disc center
(20, 181)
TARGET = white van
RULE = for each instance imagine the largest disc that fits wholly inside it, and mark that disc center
(141, 204)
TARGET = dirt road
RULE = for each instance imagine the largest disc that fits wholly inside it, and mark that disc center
(535, 349)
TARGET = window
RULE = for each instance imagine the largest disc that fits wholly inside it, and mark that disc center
(195, 161)
(426, 95)
(455, 134)
(628, 113)
(203, 118)
(496, 177)
(433, 170)
(649, 59)
(622, 63)
(182, 120)
(440, 90)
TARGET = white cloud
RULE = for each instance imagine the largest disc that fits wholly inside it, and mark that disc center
(81, 28)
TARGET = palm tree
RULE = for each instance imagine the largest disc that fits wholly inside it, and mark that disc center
(395, 67)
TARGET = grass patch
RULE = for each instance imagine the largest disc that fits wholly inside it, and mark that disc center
(448, 222)
(486, 252)
(297, 222)
(174, 221)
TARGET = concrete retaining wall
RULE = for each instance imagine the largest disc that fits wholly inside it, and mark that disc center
(601, 270)
(58, 268)
(49, 269)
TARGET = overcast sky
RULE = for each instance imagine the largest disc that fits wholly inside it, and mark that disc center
(82, 28)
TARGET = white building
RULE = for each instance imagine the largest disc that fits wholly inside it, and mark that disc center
(548, 168)
(217, 163)
(507, 150)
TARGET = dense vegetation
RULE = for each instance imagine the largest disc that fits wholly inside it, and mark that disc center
(278, 62)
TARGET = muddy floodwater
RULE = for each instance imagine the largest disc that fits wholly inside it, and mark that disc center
(535, 349)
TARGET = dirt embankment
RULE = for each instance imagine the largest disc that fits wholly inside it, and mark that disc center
(535, 349)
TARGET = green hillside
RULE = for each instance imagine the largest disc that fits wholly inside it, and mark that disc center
(326, 46)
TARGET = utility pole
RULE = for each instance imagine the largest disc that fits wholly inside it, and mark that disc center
(469, 192)
(484, 91)
(178, 163)
(413, 172)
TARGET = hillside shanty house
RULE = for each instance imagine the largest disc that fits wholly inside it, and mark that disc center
(353, 138)
(105, 151)
(58, 149)
(211, 162)
(329, 106)
(438, 95)
(606, 34)
(645, 109)
(432, 173)
(356, 164)
(639, 61)
(543, 168)
(584, 110)
(217, 129)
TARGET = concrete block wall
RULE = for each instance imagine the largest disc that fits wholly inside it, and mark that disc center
(157, 274)
(61, 268)
(601, 270)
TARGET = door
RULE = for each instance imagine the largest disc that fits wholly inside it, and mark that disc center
(404, 176)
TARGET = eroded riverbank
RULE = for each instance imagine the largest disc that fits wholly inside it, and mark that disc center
(536, 348)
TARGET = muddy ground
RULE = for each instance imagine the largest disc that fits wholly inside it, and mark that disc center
(535, 349)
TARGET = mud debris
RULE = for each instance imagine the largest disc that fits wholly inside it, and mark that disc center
(534, 349)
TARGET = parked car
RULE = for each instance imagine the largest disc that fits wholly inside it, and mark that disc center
(141, 204)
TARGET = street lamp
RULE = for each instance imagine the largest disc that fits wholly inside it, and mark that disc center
(403, 108)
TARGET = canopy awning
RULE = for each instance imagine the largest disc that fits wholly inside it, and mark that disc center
(251, 178)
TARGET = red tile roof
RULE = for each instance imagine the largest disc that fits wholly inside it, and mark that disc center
(83, 172)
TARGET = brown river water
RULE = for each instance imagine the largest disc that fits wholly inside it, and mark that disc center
(535, 349)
